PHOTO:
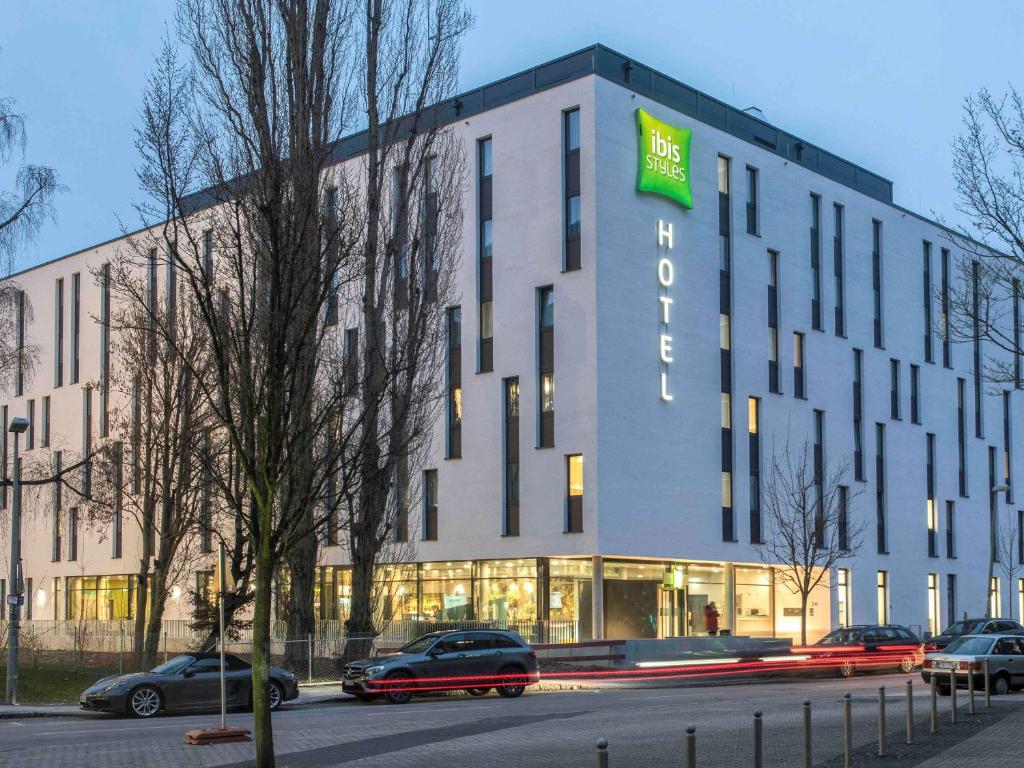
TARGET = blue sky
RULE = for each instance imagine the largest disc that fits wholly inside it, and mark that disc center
(879, 83)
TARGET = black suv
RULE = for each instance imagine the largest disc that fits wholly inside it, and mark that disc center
(869, 646)
(474, 661)
(972, 627)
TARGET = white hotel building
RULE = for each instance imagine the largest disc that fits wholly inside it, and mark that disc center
(572, 490)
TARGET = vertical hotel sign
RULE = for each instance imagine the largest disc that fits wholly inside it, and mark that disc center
(663, 168)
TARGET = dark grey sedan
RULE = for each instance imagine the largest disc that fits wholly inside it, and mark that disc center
(187, 682)
(474, 661)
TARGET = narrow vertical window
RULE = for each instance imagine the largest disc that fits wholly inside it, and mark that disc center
(152, 303)
(773, 321)
(947, 354)
(1017, 351)
(843, 595)
(19, 380)
(3, 456)
(46, 422)
(818, 469)
(725, 342)
(926, 296)
(399, 227)
(880, 512)
(87, 442)
(993, 504)
(876, 281)
(208, 255)
(330, 255)
(73, 534)
(105, 350)
(546, 345)
(882, 589)
(798, 366)
(136, 437)
(455, 383)
(838, 270)
(754, 452)
(350, 362)
(961, 435)
(430, 505)
(951, 595)
(950, 529)
(1007, 449)
(485, 254)
(430, 266)
(574, 493)
(117, 532)
(816, 262)
(58, 333)
(979, 429)
(752, 228)
(57, 503)
(932, 515)
(843, 517)
(858, 415)
(30, 435)
(915, 394)
(934, 623)
(76, 324)
(510, 521)
(894, 389)
(571, 170)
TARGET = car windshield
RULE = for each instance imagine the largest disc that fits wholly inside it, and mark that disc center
(970, 646)
(420, 644)
(839, 637)
(174, 666)
(962, 628)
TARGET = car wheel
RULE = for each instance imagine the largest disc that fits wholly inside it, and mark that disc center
(1000, 685)
(399, 688)
(511, 690)
(366, 698)
(846, 668)
(145, 701)
(907, 664)
(275, 696)
(478, 691)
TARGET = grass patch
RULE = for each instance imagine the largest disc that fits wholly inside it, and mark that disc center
(52, 684)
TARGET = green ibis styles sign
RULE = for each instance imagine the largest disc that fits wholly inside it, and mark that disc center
(663, 165)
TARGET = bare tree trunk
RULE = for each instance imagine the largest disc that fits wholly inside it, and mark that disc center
(299, 606)
(264, 736)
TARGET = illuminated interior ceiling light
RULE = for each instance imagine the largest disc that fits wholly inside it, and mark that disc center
(41, 598)
(175, 592)
(686, 663)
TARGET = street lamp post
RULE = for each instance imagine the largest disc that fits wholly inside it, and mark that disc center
(18, 425)
(992, 544)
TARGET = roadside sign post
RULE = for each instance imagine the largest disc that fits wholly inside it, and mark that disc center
(16, 598)
(221, 589)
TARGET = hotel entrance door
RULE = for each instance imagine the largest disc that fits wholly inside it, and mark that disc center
(671, 612)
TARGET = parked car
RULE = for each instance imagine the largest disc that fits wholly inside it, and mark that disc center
(187, 682)
(972, 627)
(869, 646)
(967, 655)
(474, 661)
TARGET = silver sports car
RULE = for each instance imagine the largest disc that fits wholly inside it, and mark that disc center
(187, 682)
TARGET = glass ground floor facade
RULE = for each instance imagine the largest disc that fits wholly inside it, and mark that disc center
(584, 598)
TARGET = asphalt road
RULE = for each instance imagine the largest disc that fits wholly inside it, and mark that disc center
(644, 727)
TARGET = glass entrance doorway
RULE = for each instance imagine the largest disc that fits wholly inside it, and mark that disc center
(671, 612)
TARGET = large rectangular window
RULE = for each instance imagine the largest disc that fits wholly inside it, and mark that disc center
(485, 184)
(510, 518)
(574, 493)
(76, 324)
(752, 222)
(430, 505)
(837, 262)
(880, 511)
(926, 295)
(876, 281)
(816, 262)
(754, 452)
(546, 372)
(454, 405)
(58, 333)
(571, 171)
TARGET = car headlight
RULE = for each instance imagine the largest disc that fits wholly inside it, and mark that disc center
(373, 670)
(113, 687)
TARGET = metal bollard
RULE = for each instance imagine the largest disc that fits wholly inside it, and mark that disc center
(602, 753)
(807, 734)
(881, 721)
(910, 711)
(847, 731)
(935, 705)
(988, 686)
(758, 741)
(970, 690)
(952, 695)
(691, 747)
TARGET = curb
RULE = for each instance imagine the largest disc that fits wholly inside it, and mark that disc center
(39, 712)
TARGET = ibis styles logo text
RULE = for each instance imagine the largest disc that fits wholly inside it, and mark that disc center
(664, 159)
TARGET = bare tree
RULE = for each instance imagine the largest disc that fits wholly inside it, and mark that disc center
(409, 246)
(810, 525)
(1008, 552)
